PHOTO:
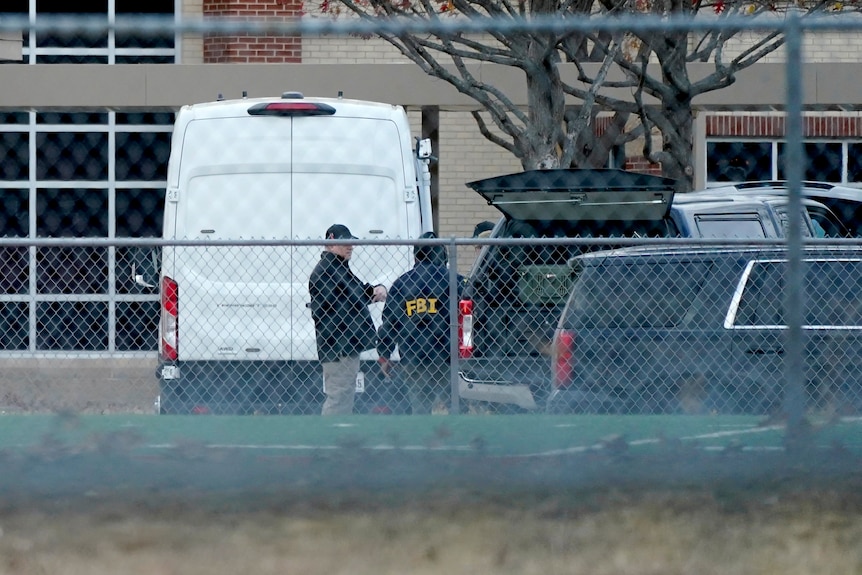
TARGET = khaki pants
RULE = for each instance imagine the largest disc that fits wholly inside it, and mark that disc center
(340, 384)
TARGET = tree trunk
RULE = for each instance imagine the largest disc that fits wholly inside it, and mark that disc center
(540, 141)
(678, 143)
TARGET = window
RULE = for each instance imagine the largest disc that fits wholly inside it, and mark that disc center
(833, 294)
(730, 227)
(642, 295)
(100, 46)
(748, 160)
(822, 161)
(92, 175)
(739, 161)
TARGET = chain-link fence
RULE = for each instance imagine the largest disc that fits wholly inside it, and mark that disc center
(563, 325)
(118, 297)
(623, 376)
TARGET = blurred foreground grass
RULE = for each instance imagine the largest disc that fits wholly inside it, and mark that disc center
(153, 495)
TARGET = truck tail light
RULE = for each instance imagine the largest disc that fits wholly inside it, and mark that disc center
(465, 328)
(169, 323)
(563, 358)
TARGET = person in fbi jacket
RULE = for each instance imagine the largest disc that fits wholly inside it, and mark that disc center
(416, 319)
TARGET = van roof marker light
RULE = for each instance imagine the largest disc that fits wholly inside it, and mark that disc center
(291, 109)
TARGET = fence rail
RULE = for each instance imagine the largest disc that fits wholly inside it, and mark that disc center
(692, 336)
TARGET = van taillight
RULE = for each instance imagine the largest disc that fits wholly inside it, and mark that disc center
(564, 358)
(169, 323)
(465, 328)
(291, 109)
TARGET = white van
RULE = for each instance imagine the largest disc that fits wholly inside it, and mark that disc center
(236, 335)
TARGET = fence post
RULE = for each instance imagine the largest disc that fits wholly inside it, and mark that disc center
(794, 393)
(454, 296)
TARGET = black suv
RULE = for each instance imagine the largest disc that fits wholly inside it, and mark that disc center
(514, 293)
(702, 330)
(837, 201)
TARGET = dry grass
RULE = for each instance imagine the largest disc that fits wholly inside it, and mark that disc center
(789, 531)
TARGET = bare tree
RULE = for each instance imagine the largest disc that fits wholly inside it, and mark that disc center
(653, 65)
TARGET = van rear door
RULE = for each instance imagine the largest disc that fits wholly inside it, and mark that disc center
(277, 177)
(234, 300)
(233, 184)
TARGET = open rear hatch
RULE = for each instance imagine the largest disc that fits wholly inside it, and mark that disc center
(578, 194)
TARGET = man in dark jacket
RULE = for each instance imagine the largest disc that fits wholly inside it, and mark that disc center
(416, 319)
(342, 320)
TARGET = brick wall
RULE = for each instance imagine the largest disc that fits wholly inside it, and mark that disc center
(643, 166)
(244, 48)
(774, 126)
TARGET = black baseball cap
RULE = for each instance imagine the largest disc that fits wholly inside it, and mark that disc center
(482, 227)
(339, 232)
(432, 254)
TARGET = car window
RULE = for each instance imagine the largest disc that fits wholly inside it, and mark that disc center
(826, 224)
(642, 294)
(784, 217)
(833, 294)
(847, 211)
(739, 226)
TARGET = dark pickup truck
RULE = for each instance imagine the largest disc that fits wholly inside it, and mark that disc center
(515, 293)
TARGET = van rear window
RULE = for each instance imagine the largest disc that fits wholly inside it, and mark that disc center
(638, 295)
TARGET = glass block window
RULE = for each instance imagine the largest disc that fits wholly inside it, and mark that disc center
(822, 161)
(746, 160)
(71, 174)
(739, 161)
(96, 46)
(72, 156)
(15, 152)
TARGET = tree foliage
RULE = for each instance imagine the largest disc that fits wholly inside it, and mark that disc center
(651, 69)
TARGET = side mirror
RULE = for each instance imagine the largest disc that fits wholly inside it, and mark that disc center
(139, 279)
(423, 148)
(147, 275)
